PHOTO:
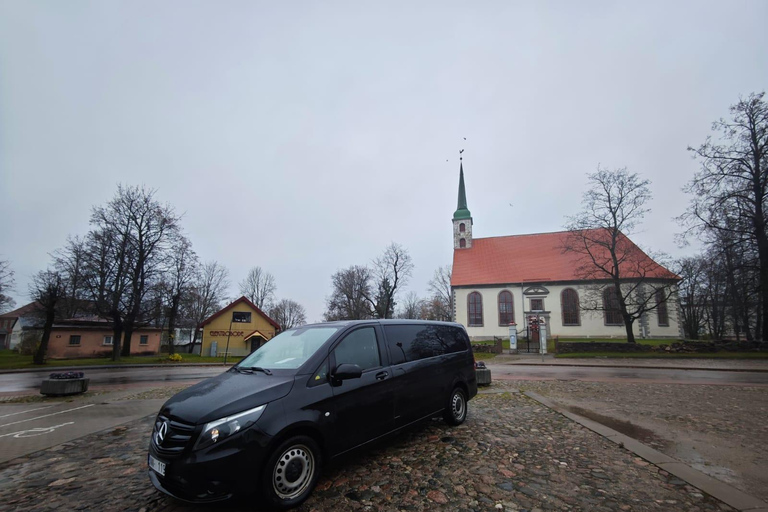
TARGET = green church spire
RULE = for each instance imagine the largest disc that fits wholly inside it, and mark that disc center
(461, 208)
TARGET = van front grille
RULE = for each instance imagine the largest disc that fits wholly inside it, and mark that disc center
(177, 436)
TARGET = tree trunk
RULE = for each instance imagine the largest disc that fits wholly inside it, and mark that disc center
(628, 326)
(126, 350)
(42, 350)
(117, 333)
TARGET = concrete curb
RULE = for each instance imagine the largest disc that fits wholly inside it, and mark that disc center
(571, 365)
(727, 494)
(110, 366)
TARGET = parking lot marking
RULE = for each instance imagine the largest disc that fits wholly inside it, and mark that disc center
(25, 412)
(46, 415)
(37, 431)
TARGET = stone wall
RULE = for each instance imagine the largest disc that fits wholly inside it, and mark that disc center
(496, 348)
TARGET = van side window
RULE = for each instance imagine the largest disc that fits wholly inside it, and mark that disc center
(359, 347)
(413, 342)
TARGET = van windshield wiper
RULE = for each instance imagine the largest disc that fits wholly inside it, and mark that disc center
(251, 369)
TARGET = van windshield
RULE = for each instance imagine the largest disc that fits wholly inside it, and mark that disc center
(289, 349)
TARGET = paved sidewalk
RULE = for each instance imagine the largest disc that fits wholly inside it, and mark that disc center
(628, 362)
(512, 454)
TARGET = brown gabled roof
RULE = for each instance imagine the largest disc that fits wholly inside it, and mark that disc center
(532, 258)
(238, 301)
(28, 309)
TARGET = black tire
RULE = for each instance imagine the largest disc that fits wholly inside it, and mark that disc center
(291, 473)
(456, 409)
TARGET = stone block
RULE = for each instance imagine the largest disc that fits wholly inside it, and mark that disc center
(483, 376)
(61, 387)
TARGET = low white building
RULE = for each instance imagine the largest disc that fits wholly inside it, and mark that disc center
(523, 280)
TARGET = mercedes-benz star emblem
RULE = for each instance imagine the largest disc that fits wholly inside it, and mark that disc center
(161, 433)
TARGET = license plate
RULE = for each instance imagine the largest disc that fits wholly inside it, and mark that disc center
(156, 465)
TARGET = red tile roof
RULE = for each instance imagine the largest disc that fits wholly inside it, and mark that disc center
(532, 258)
(27, 309)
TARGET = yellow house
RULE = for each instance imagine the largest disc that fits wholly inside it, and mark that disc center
(242, 325)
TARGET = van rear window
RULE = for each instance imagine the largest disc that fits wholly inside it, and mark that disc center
(413, 342)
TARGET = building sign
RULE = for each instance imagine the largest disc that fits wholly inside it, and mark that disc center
(226, 333)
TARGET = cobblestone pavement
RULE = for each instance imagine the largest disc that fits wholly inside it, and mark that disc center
(719, 430)
(511, 454)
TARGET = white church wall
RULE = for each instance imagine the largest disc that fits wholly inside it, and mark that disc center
(592, 322)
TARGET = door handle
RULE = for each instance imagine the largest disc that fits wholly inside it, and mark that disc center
(382, 375)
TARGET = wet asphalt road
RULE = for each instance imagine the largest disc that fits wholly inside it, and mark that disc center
(118, 377)
(637, 375)
(111, 377)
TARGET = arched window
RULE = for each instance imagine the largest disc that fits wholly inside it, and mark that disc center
(462, 243)
(506, 308)
(475, 306)
(569, 302)
(661, 309)
(611, 307)
(462, 227)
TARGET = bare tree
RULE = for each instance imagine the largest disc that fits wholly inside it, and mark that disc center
(288, 314)
(259, 287)
(48, 290)
(390, 273)
(71, 262)
(411, 307)
(728, 195)
(178, 280)
(692, 271)
(623, 277)
(348, 300)
(207, 293)
(442, 297)
(6, 284)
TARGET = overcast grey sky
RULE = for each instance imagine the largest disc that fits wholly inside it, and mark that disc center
(304, 137)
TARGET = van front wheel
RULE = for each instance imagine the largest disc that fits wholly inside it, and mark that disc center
(456, 411)
(291, 472)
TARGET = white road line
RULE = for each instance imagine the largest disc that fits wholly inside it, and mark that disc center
(34, 432)
(47, 415)
(25, 412)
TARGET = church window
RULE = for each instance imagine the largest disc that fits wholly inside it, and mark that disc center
(462, 228)
(569, 300)
(506, 308)
(661, 309)
(537, 304)
(611, 307)
(475, 306)
(462, 243)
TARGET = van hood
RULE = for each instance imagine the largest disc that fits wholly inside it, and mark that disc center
(224, 395)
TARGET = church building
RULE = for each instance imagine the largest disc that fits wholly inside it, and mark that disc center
(528, 279)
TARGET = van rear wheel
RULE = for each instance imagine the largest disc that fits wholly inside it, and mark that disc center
(456, 410)
(291, 472)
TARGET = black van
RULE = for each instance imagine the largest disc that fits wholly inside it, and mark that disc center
(306, 396)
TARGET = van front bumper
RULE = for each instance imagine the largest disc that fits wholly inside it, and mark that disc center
(214, 474)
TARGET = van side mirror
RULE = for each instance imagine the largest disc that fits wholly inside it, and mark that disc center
(346, 371)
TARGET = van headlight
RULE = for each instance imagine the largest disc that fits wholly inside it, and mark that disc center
(219, 430)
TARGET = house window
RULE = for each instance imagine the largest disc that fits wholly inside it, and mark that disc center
(475, 304)
(241, 317)
(462, 228)
(462, 243)
(661, 309)
(506, 309)
(108, 340)
(143, 339)
(569, 300)
(74, 340)
(537, 304)
(611, 307)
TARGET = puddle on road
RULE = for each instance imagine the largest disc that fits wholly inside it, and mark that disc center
(627, 428)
